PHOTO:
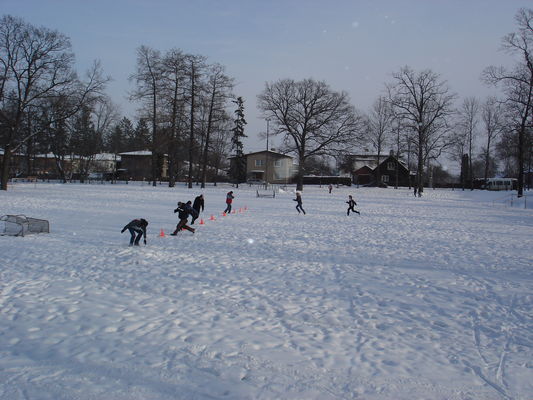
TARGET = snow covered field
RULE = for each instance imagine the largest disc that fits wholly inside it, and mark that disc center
(417, 298)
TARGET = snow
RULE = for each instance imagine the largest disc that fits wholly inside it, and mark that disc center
(417, 298)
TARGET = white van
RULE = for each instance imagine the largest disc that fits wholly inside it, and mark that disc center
(500, 184)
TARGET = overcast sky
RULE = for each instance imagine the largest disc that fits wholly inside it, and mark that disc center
(352, 45)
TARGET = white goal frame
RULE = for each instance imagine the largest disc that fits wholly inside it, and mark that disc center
(21, 225)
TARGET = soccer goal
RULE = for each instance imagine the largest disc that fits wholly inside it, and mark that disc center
(20, 225)
(266, 193)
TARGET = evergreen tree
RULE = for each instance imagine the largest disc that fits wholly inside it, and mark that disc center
(238, 170)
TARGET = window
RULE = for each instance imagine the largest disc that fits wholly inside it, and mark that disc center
(391, 165)
(259, 163)
(385, 178)
(277, 163)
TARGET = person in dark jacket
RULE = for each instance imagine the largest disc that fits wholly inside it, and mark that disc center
(351, 204)
(229, 200)
(137, 228)
(197, 206)
(184, 211)
(298, 199)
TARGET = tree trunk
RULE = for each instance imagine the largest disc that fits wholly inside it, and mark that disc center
(420, 169)
(5, 166)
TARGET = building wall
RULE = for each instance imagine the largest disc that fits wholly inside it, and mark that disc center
(279, 167)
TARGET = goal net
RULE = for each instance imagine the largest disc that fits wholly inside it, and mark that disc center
(20, 225)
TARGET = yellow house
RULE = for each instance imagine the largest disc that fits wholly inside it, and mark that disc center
(269, 166)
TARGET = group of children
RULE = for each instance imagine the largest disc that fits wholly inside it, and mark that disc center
(137, 227)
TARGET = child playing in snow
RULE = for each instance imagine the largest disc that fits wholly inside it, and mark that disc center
(137, 228)
(184, 210)
(298, 199)
(229, 200)
(351, 204)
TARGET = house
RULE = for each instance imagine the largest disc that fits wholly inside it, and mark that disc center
(390, 169)
(268, 166)
(137, 165)
(366, 168)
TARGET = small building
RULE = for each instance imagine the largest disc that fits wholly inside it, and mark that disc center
(137, 165)
(269, 166)
(366, 168)
(389, 168)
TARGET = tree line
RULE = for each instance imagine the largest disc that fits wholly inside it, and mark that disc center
(185, 112)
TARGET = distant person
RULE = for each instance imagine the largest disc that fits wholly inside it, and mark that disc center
(298, 199)
(137, 228)
(330, 187)
(197, 206)
(351, 204)
(415, 189)
(229, 200)
(184, 212)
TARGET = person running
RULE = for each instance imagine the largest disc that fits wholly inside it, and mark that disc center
(183, 215)
(330, 187)
(229, 200)
(351, 204)
(137, 228)
(298, 199)
(197, 205)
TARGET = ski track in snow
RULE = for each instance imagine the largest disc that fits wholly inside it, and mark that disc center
(417, 298)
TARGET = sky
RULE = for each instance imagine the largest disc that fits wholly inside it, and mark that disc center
(354, 46)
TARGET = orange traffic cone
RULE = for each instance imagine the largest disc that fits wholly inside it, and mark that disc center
(162, 233)
(202, 221)
(233, 212)
(245, 208)
(212, 218)
(240, 210)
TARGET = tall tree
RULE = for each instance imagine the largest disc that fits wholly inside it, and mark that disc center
(196, 65)
(518, 85)
(174, 88)
(468, 122)
(218, 88)
(148, 90)
(424, 102)
(491, 115)
(313, 118)
(380, 122)
(238, 171)
(36, 64)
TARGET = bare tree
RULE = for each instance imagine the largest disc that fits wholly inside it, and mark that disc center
(518, 85)
(491, 115)
(174, 76)
(468, 121)
(313, 119)
(380, 122)
(148, 90)
(424, 102)
(36, 64)
(195, 71)
(219, 87)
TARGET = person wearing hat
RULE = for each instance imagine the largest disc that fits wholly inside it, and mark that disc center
(137, 228)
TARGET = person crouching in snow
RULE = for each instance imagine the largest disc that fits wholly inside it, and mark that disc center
(183, 215)
(137, 228)
(229, 200)
(298, 199)
(351, 204)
